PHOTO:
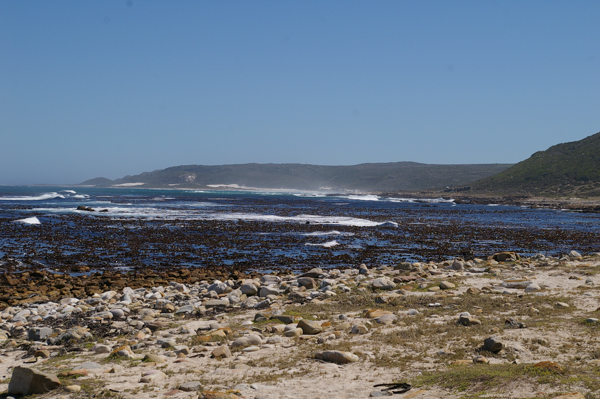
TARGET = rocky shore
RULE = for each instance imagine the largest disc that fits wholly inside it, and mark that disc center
(504, 326)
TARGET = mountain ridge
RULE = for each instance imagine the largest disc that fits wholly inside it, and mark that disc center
(390, 176)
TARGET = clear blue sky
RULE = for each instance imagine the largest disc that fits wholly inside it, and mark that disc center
(110, 88)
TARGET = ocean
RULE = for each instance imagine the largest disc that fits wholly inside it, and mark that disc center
(41, 227)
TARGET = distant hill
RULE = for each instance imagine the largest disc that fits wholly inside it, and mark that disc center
(373, 177)
(568, 169)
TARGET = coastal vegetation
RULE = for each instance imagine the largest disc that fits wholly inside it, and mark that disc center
(568, 169)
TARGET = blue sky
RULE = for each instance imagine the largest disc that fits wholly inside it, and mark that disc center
(110, 88)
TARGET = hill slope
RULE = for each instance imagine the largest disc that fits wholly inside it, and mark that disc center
(564, 169)
(397, 176)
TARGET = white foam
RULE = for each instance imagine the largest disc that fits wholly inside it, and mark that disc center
(40, 197)
(326, 233)
(225, 185)
(31, 220)
(425, 200)
(328, 244)
(81, 196)
(128, 184)
(123, 211)
(68, 191)
(366, 197)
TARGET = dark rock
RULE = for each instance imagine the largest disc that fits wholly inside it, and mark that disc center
(512, 323)
(39, 333)
(310, 327)
(506, 256)
(492, 344)
(307, 282)
(313, 273)
(26, 381)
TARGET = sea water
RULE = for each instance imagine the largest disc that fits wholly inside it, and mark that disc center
(277, 228)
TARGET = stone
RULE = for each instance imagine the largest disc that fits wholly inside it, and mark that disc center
(383, 283)
(295, 332)
(154, 358)
(100, 348)
(26, 381)
(167, 343)
(117, 313)
(251, 349)
(359, 329)
(338, 357)
(405, 279)
(506, 257)
(151, 376)
(473, 291)
(221, 352)
(445, 285)
(39, 333)
(266, 291)
(249, 289)
(512, 323)
(270, 279)
(533, 287)
(492, 344)
(575, 255)
(182, 349)
(185, 309)
(310, 327)
(457, 265)
(480, 359)
(43, 353)
(123, 351)
(307, 282)
(251, 339)
(386, 319)
(375, 313)
(562, 305)
(73, 388)
(191, 386)
(313, 273)
(214, 303)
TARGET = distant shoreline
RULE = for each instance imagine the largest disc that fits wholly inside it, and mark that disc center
(591, 204)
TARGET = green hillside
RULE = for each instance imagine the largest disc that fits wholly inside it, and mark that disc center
(571, 169)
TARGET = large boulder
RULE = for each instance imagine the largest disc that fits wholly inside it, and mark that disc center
(383, 283)
(26, 381)
(310, 327)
